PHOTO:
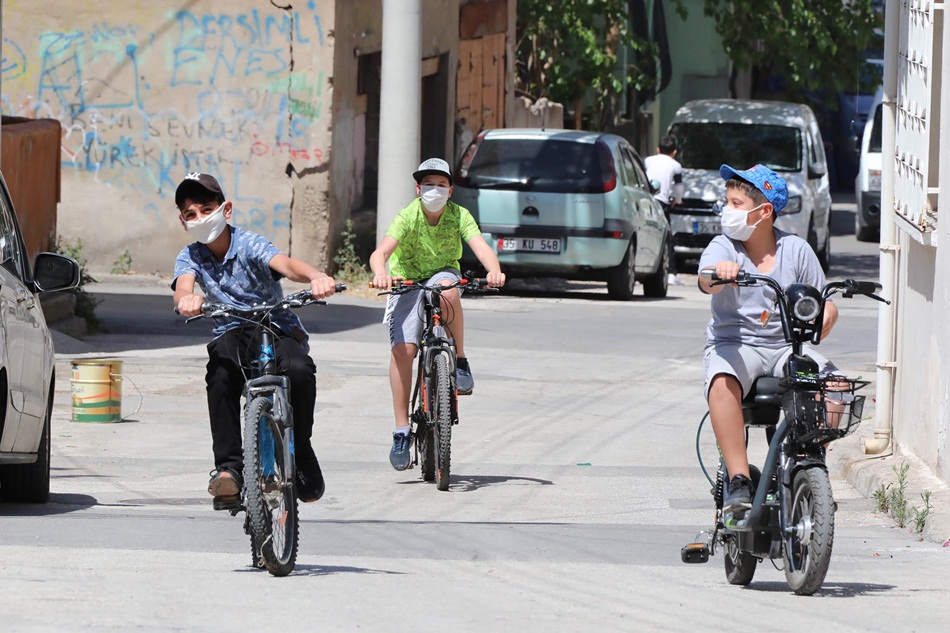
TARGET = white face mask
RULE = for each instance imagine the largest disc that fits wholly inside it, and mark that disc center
(433, 197)
(734, 223)
(208, 228)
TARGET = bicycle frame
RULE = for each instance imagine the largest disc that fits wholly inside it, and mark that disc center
(434, 341)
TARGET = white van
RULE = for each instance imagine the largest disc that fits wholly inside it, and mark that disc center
(740, 133)
(867, 186)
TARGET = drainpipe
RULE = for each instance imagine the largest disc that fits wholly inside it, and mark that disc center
(886, 334)
(400, 104)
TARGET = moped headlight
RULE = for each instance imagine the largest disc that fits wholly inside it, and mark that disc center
(804, 301)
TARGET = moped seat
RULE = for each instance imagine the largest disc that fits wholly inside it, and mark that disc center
(762, 405)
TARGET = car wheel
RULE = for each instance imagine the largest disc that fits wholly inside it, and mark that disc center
(658, 284)
(868, 234)
(621, 279)
(29, 483)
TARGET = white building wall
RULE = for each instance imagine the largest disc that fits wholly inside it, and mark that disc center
(922, 379)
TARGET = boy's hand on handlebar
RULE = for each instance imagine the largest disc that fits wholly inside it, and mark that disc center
(384, 282)
(495, 279)
(323, 287)
(190, 305)
(727, 270)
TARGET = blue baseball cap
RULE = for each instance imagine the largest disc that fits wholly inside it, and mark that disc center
(771, 185)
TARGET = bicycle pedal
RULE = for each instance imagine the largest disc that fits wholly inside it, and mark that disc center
(695, 553)
(231, 503)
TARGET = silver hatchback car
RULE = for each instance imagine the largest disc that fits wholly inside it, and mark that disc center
(569, 204)
(26, 360)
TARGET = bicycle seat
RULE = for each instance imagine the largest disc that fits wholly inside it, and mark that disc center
(763, 403)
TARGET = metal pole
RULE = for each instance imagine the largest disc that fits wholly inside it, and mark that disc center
(400, 109)
(886, 335)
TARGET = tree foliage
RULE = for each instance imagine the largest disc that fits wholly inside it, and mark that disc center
(813, 45)
(572, 49)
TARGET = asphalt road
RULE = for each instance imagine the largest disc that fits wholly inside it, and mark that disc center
(575, 483)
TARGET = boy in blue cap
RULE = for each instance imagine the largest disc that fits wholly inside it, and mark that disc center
(744, 337)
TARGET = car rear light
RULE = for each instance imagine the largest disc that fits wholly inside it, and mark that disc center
(607, 167)
(615, 234)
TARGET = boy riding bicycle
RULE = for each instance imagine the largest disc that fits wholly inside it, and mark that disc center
(744, 338)
(424, 243)
(242, 268)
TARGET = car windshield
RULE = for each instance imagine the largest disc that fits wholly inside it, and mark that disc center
(534, 164)
(875, 144)
(709, 145)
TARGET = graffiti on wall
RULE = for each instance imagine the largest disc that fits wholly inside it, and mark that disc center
(143, 103)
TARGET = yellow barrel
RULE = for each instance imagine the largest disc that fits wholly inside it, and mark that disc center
(97, 390)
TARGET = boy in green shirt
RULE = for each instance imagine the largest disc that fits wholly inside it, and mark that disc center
(424, 243)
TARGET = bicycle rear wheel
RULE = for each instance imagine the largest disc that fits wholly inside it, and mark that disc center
(442, 415)
(270, 499)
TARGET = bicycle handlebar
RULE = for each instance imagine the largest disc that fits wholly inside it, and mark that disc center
(402, 286)
(295, 300)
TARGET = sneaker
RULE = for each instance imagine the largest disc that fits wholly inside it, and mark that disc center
(399, 456)
(739, 498)
(310, 483)
(673, 280)
(464, 383)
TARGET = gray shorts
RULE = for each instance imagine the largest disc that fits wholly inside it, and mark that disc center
(747, 362)
(405, 314)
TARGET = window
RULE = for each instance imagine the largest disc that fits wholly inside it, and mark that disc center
(709, 145)
(11, 250)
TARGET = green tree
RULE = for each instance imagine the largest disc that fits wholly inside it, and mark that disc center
(569, 50)
(814, 45)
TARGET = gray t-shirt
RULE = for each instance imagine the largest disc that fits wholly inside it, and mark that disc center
(750, 314)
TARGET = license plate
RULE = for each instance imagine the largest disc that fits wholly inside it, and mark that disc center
(529, 244)
(707, 228)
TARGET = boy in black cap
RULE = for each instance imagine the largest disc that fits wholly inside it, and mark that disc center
(744, 338)
(424, 242)
(242, 268)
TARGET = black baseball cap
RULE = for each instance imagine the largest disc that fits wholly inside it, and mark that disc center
(196, 181)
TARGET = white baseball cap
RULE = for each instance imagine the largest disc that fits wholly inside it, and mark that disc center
(433, 166)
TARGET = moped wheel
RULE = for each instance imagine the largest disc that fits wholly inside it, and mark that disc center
(442, 414)
(807, 546)
(270, 501)
(740, 566)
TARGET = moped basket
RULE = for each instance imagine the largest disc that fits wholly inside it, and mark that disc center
(830, 412)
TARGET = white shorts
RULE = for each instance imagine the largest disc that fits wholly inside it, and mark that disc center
(405, 314)
(746, 363)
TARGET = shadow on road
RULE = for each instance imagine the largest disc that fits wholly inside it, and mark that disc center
(151, 323)
(327, 570)
(470, 483)
(550, 288)
(58, 504)
(829, 589)
(854, 266)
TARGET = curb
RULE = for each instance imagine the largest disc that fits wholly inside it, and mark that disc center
(869, 473)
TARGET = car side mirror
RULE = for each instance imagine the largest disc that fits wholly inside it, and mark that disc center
(816, 171)
(55, 272)
(654, 186)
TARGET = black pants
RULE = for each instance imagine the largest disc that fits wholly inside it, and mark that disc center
(225, 380)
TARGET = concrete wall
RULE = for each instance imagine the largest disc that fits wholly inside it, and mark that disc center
(147, 92)
(359, 29)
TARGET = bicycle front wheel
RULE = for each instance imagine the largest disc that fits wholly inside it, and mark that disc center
(442, 415)
(270, 498)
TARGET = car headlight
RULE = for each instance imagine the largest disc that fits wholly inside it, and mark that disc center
(794, 206)
(804, 301)
(874, 180)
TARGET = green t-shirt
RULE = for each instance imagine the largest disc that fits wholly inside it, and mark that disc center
(424, 249)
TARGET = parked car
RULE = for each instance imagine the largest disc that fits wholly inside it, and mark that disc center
(783, 136)
(867, 186)
(26, 359)
(569, 204)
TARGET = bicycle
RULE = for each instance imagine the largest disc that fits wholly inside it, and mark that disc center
(269, 496)
(792, 513)
(434, 395)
